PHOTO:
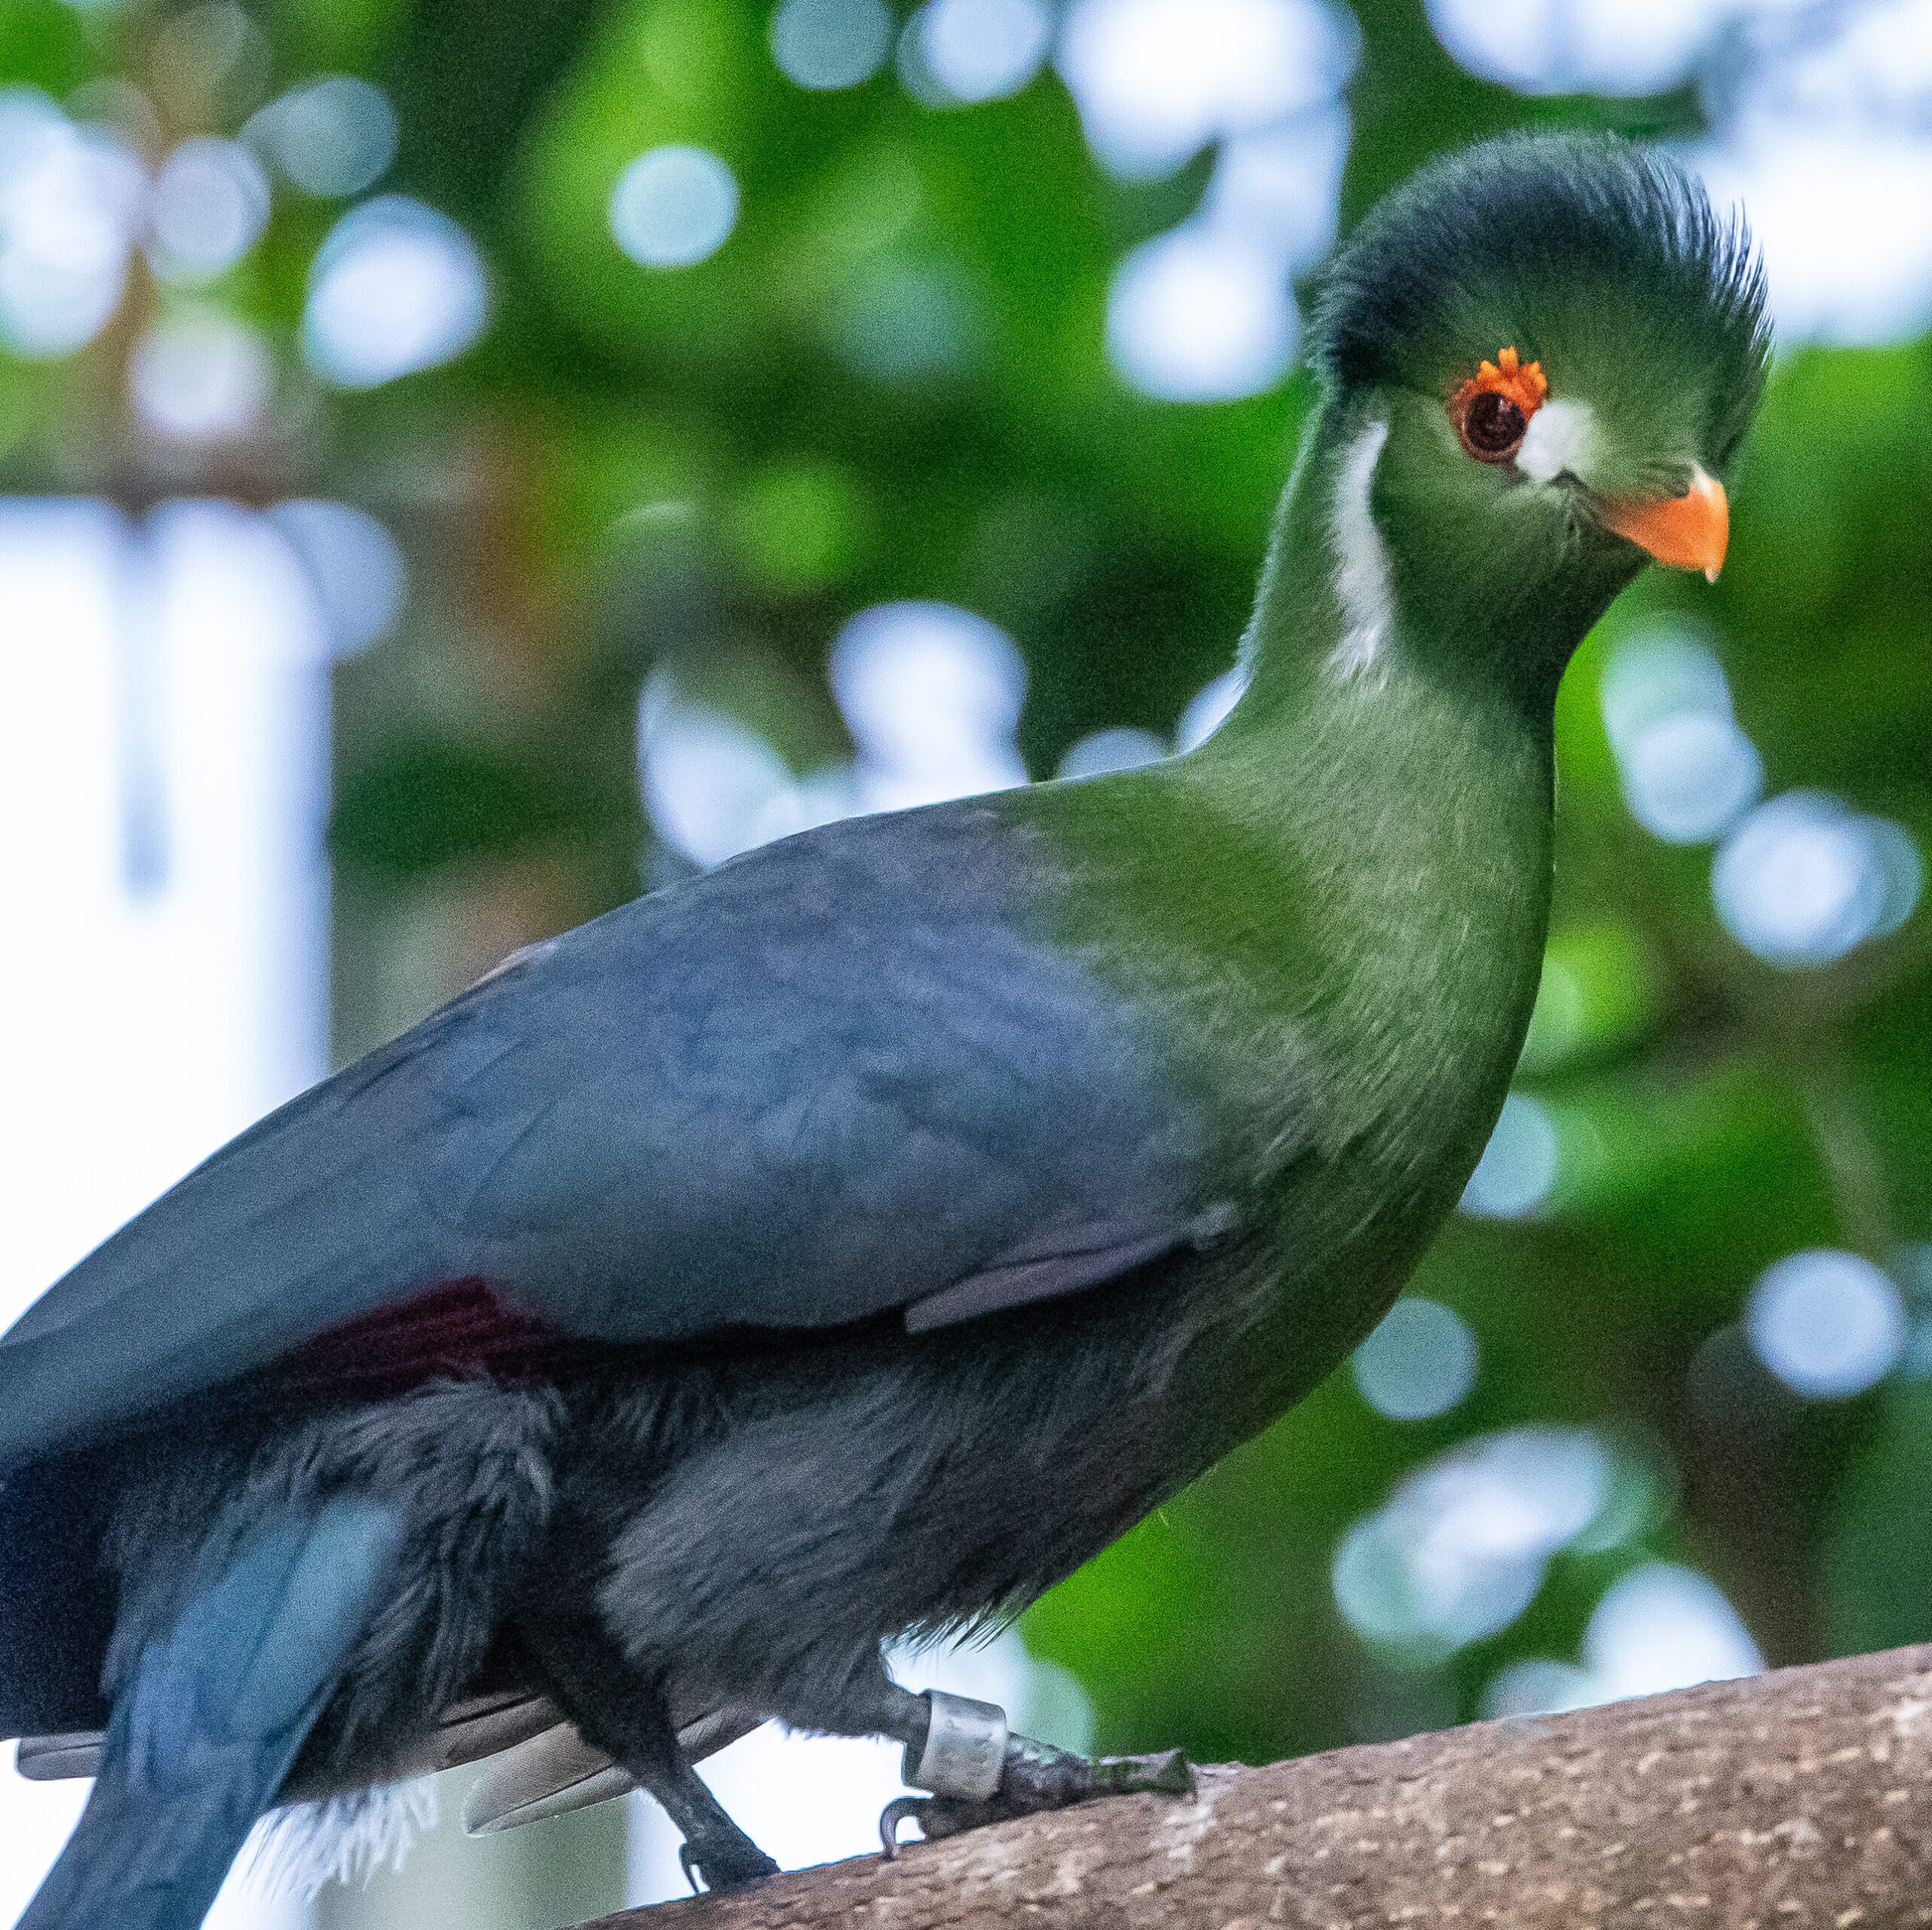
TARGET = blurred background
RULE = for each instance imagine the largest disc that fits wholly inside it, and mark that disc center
(465, 461)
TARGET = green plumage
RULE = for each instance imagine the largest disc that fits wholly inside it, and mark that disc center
(1342, 898)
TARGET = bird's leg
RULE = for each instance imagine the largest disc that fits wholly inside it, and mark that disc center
(616, 1709)
(962, 1751)
(980, 1772)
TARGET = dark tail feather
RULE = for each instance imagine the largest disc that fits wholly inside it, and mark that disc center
(139, 1861)
(210, 1719)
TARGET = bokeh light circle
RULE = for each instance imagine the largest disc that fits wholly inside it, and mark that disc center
(332, 137)
(973, 50)
(1829, 1324)
(1122, 747)
(395, 288)
(1518, 1166)
(209, 204)
(1420, 1362)
(202, 377)
(1459, 1550)
(674, 207)
(1804, 880)
(826, 44)
(354, 566)
(1199, 316)
(1686, 778)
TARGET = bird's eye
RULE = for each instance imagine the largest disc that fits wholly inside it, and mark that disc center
(1494, 428)
(1491, 411)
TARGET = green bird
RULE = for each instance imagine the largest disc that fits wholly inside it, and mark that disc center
(856, 1238)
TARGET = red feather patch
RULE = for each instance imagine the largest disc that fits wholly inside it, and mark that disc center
(458, 1330)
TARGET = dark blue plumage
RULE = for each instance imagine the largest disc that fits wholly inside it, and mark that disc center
(217, 1683)
(763, 1098)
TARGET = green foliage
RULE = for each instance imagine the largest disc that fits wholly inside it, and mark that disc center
(425, 804)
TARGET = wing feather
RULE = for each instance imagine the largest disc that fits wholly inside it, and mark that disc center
(842, 1076)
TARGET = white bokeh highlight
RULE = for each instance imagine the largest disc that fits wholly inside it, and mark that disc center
(1156, 81)
(1687, 777)
(1460, 1549)
(1420, 1362)
(712, 786)
(207, 208)
(395, 288)
(354, 566)
(1613, 47)
(1661, 1626)
(1844, 215)
(1819, 132)
(1828, 1324)
(975, 50)
(1804, 880)
(1206, 313)
(330, 137)
(1664, 1627)
(931, 694)
(1688, 772)
(827, 44)
(1278, 190)
(1120, 747)
(1196, 315)
(71, 204)
(1825, 144)
(1207, 709)
(170, 1014)
(674, 207)
(1519, 1165)
(202, 377)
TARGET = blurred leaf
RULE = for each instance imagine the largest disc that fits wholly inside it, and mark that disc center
(427, 803)
(1878, 1563)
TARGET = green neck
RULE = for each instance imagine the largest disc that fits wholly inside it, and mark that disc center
(1343, 604)
(1406, 779)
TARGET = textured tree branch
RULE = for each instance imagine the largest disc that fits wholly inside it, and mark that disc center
(1799, 1799)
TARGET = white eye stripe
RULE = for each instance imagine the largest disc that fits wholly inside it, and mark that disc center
(1562, 435)
(1361, 562)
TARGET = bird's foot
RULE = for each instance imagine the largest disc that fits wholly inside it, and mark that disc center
(723, 1861)
(1034, 1776)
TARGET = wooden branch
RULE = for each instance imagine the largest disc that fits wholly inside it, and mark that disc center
(1788, 1801)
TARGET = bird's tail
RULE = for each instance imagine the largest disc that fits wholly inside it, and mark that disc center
(209, 1718)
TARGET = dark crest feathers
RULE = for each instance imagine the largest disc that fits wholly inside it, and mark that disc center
(1502, 229)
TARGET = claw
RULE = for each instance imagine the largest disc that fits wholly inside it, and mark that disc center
(894, 1813)
(723, 1865)
(1034, 1777)
(1168, 1774)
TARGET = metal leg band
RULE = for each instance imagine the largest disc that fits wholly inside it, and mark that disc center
(965, 1748)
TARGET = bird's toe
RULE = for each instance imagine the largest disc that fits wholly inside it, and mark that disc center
(721, 1863)
(1034, 1777)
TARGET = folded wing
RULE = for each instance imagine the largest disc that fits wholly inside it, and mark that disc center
(846, 1076)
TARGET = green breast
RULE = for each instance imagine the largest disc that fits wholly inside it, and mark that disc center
(1331, 926)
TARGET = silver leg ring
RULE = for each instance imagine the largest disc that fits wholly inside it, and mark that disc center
(965, 1751)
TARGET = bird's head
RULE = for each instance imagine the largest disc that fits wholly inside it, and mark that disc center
(1539, 357)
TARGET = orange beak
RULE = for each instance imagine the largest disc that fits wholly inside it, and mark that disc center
(1688, 531)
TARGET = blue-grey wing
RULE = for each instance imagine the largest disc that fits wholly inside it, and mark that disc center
(850, 1074)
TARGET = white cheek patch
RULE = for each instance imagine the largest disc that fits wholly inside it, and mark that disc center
(1562, 435)
(1361, 560)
